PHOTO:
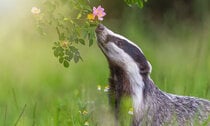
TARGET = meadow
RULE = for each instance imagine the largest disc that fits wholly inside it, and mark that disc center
(35, 90)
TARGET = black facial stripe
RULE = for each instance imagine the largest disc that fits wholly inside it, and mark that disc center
(133, 51)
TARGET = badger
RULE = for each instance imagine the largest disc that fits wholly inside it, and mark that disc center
(130, 76)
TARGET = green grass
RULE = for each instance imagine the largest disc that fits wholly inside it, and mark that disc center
(38, 91)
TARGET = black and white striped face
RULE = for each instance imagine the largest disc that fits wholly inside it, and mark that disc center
(120, 51)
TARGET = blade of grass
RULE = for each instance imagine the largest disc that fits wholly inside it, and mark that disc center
(5, 116)
(34, 115)
(21, 114)
(15, 98)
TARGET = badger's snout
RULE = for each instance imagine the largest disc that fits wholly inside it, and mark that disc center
(102, 33)
(100, 28)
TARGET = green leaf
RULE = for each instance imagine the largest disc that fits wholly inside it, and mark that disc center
(85, 33)
(65, 19)
(56, 43)
(73, 49)
(67, 58)
(90, 42)
(71, 56)
(53, 47)
(93, 24)
(139, 3)
(61, 59)
(80, 58)
(76, 58)
(92, 34)
(62, 36)
(82, 41)
(61, 54)
(79, 15)
(60, 49)
(56, 53)
(76, 40)
(66, 64)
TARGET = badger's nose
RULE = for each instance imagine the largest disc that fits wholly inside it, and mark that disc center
(100, 28)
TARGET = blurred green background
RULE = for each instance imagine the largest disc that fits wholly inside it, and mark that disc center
(36, 90)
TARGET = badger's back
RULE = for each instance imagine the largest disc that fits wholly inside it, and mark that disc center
(167, 109)
(191, 110)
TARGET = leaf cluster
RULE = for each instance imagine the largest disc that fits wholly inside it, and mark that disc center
(69, 19)
(139, 3)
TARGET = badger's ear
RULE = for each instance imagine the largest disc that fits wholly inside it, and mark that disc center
(150, 67)
(145, 68)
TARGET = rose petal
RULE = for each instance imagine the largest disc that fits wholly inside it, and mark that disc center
(94, 8)
(100, 18)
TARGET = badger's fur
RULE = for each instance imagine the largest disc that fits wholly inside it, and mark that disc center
(130, 75)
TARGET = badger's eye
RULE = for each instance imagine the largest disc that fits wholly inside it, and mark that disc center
(119, 44)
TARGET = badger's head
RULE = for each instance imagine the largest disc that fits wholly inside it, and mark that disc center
(121, 52)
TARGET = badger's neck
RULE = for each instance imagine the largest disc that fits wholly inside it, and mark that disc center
(130, 81)
(140, 87)
(146, 96)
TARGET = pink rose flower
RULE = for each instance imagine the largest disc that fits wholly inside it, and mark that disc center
(99, 12)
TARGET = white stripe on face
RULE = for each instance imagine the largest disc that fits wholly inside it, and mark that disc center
(106, 36)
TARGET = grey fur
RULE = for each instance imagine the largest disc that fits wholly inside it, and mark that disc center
(157, 108)
(168, 109)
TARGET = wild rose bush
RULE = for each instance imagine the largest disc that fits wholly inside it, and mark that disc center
(74, 26)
